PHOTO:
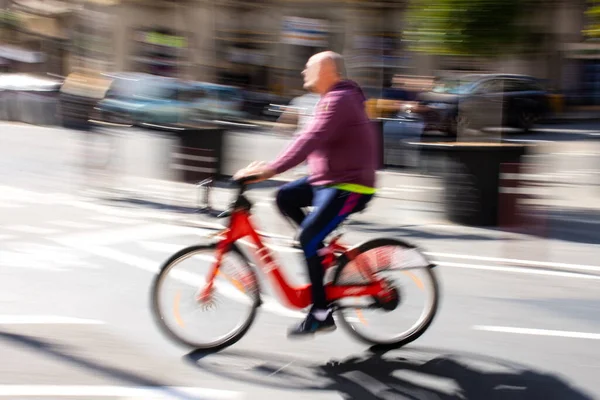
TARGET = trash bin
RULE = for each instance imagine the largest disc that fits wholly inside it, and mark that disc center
(378, 129)
(397, 132)
(471, 178)
(198, 154)
(78, 98)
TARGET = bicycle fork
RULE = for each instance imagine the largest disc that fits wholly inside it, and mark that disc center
(205, 295)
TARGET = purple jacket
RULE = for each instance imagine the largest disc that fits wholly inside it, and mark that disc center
(339, 144)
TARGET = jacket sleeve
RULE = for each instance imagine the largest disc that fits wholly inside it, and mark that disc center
(330, 112)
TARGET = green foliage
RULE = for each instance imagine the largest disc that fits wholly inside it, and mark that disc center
(592, 29)
(8, 18)
(485, 28)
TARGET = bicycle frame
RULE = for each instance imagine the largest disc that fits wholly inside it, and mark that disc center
(298, 297)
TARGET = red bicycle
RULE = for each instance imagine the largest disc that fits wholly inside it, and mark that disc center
(366, 280)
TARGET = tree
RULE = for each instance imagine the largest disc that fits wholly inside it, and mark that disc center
(485, 28)
(592, 29)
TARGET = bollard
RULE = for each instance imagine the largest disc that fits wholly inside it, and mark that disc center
(535, 220)
(508, 201)
(198, 166)
(516, 188)
(519, 186)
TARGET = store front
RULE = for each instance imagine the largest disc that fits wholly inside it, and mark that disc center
(582, 73)
(159, 51)
(245, 58)
(376, 59)
(35, 40)
(301, 38)
(92, 38)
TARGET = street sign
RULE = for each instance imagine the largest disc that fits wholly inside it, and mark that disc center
(305, 32)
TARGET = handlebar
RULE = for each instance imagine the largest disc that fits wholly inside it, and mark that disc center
(242, 184)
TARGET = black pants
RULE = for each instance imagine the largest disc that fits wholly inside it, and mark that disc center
(331, 207)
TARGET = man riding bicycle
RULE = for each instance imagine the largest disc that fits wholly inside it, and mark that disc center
(340, 149)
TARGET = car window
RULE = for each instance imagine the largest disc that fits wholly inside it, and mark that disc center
(191, 95)
(515, 85)
(522, 85)
(162, 92)
(124, 88)
(229, 95)
(461, 85)
(489, 87)
(532, 85)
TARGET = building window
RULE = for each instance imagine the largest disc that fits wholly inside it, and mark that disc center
(159, 51)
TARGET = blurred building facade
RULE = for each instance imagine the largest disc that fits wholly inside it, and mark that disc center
(263, 44)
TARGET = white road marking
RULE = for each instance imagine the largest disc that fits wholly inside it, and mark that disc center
(165, 188)
(401, 187)
(516, 261)
(157, 215)
(269, 304)
(159, 247)
(113, 236)
(399, 190)
(173, 248)
(566, 130)
(41, 257)
(115, 220)
(481, 267)
(45, 319)
(373, 386)
(539, 332)
(74, 224)
(14, 194)
(207, 225)
(10, 205)
(143, 392)
(12, 259)
(106, 210)
(574, 267)
(518, 270)
(575, 220)
(31, 229)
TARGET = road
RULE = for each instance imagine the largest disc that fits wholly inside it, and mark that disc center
(518, 318)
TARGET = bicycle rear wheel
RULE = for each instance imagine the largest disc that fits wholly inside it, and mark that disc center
(386, 321)
(205, 325)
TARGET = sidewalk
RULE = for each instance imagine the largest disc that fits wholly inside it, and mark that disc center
(574, 115)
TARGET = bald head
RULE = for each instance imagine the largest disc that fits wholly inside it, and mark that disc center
(335, 60)
(323, 70)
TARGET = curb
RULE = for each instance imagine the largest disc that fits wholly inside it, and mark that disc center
(565, 120)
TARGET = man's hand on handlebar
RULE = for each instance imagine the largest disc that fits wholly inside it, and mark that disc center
(257, 169)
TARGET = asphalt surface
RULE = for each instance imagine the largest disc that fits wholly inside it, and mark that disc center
(518, 317)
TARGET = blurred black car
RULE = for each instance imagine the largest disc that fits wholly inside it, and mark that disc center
(263, 105)
(477, 101)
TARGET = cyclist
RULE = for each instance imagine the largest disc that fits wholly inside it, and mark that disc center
(339, 146)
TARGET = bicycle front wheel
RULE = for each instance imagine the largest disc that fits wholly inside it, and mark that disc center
(410, 304)
(207, 324)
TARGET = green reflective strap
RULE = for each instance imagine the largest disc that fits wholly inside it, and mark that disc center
(353, 187)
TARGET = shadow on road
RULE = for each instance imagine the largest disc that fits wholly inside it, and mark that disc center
(69, 355)
(151, 204)
(420, 232)
(580, 226)
(410, 374)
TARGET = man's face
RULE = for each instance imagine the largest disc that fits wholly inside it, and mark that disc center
(312, 74)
